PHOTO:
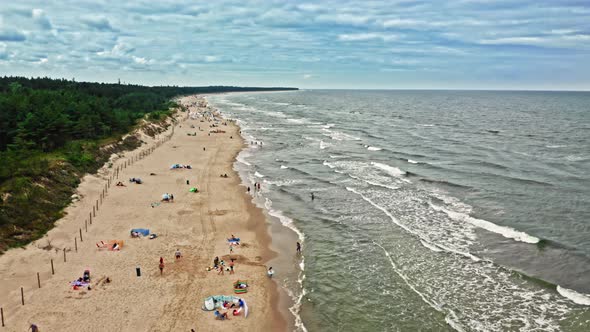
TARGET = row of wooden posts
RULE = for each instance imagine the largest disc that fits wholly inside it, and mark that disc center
(95, 207)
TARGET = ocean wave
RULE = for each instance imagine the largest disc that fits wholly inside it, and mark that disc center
(578, 298)
(284, 167)
(430, 246)
(451, 321)
(324, 145)
(339, 136)
(411, 231)
(505, 231)
(575, 158)
(258, 175)
(281, 183)
(412, 161)
(372, 148)
(241, 159)
(285, 221)
(394, 171)
(443, 182)
(297, 121)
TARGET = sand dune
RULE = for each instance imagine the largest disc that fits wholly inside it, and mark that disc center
(196, 223)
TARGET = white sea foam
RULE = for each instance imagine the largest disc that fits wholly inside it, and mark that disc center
(297, 121)
(505, 231)
(285, 221)
(282, 183)
(372, 148)
(389, 169)
(412, 161)
(284, 167)
(409, 230)
(339, 136)
(452, 322)
(241, 159)
(325, 163)
(578, 298)
(323, 145)
(430, 246)
(258, 175)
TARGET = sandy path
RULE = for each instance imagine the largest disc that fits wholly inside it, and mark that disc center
(196, 223)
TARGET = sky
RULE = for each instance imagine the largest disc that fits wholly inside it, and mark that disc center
(438, 44)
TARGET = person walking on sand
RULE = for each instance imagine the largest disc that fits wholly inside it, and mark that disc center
(177, 254)
(221, 267)
(33, 328)
(231, 248)
(161, 266)
(270, 272)
(248, 189)
(298, 247)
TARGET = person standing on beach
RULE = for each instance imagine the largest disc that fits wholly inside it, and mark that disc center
(161, 266)
(33, 328)
(312, 196)
(248, 189)
(216, 262)
(298, 247)
(231, 266)
(177, 254)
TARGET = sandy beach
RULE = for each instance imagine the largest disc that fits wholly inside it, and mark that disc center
(196, 224)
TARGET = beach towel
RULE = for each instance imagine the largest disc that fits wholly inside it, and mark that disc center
(193, 190)
(142, 231)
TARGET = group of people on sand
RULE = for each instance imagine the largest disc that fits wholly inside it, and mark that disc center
(236, 308)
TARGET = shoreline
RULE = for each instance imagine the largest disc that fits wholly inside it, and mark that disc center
(288, 265)
(197, 224)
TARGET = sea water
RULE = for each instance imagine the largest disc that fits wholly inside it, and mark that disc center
(433, 210)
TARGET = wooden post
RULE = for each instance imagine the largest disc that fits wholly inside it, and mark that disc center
(38, 280)
(2, 315)
(93, 211)
(81, 239)
(90, 218)
(64, 255)
(52, 270)
(86, 225)
(76, 243)
(97, 205)
(22, 295)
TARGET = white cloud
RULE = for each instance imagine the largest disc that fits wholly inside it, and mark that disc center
(97, 23)
(344, 19)
(211, 58)
(41, 19)
(511, 40)
(401, 23)
(367, 36)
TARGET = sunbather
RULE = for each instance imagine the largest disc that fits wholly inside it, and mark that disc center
(220, 316)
